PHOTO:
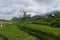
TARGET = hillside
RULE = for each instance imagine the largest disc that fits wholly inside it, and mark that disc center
(35, 28)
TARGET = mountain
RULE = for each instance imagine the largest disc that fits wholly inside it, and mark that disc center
(15, 18)
(48, 15)
(54, 13)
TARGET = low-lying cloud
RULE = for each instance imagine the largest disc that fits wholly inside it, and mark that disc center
(15, 8)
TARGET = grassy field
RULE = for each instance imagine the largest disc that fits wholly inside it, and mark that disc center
(28, 31)
(11, 32)
(51, 32)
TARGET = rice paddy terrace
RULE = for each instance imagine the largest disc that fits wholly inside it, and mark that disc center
(28, 31)
(10, 31)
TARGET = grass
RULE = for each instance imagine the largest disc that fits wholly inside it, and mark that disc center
(11, 32)
(50, 31)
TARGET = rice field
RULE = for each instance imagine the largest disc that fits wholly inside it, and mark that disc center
(26, 31)
(11, 32)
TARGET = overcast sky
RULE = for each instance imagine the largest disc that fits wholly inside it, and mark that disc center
(15, 8)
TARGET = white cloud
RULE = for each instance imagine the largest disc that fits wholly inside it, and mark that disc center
(12, 8)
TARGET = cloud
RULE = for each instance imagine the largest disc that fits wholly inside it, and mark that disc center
(15, 8)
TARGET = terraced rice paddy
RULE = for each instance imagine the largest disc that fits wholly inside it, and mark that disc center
(25, 31)
(11, 32)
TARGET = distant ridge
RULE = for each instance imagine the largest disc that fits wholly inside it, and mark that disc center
(55, 13)
(15, 18)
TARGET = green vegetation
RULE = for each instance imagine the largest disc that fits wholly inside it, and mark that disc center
(36, 30)
(11, 32)
(51, 32)
(31, 29)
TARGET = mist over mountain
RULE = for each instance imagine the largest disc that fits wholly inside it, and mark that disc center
(52, 13)
(15, 8)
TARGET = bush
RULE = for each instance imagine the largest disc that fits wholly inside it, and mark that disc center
(57, 19)
(41, 23)
(55, 24)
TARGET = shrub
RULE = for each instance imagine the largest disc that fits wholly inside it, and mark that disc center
(55, 24)
(41, 23)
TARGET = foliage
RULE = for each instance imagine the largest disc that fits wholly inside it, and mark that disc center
(51, 32)
(55, 24)
(13, 33)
